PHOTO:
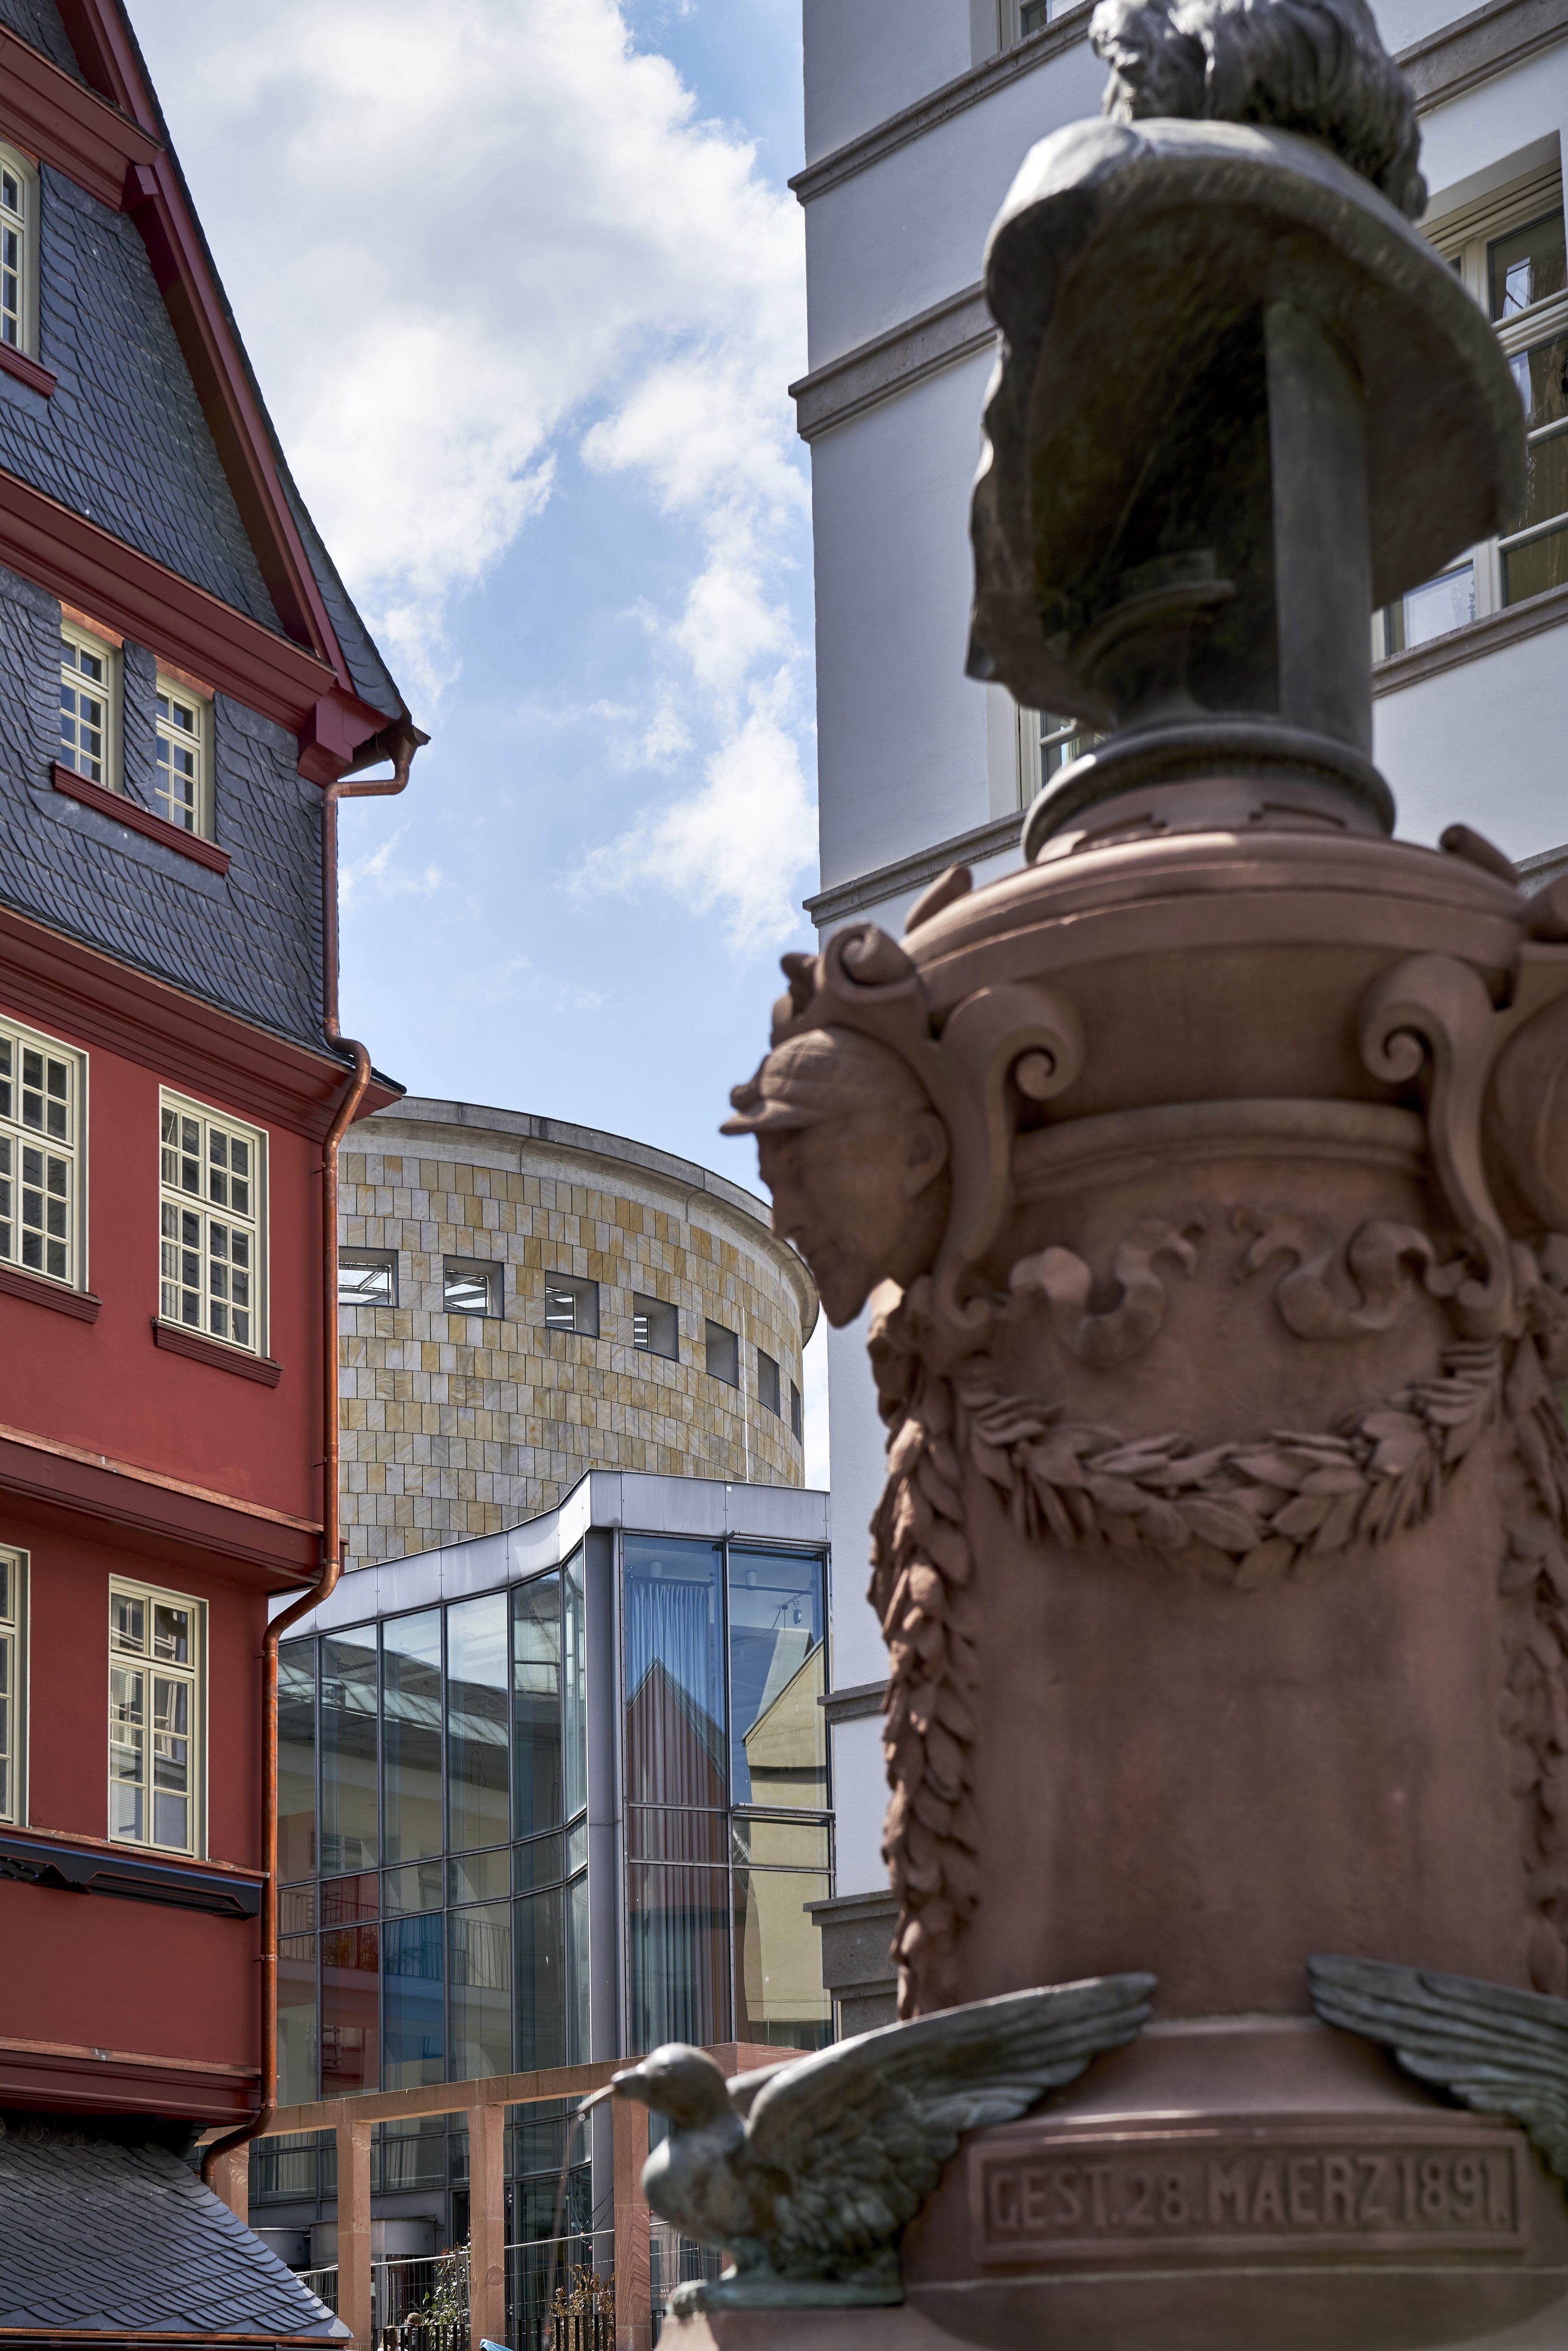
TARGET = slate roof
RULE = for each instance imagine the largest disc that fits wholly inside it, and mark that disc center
(97, 2237)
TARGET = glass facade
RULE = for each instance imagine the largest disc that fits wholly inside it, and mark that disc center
(432, 1795)
(727, 1827)
(434, 1922)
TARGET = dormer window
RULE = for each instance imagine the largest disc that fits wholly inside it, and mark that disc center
(18, 252)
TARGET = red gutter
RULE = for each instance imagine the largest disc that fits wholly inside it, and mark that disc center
(397, 742)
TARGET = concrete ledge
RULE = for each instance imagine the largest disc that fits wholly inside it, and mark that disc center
(857, 1964)
(1476, 47)
(910, 873)
(851, 1704)
(939, 338)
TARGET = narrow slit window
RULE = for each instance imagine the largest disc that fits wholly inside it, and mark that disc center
(212, 1216)
(88, 682)
(572, 1304)
(367, 1278)
(723, 1355)
(181, 786)
(767, 1382)
(156, 1641)
(40, 1156)
(655, 1327)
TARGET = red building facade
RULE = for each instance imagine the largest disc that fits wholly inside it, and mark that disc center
(184, 685)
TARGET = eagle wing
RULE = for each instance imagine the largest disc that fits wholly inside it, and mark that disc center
(856, 2137)
(1499, 2051)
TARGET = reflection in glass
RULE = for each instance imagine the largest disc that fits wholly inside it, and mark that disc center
(677, 1942)
(349, 2039)
(479, 1877)
(480, 1948)
(409, 2154)
(782, 1845)
(418, 1887)
(296, 1758)
(539, 1863)
(349, 1752)
(1541, 376)
(345, 1900)
(540, 1978)
(667, 1834)
(296, 2018)
(779, 1738)
(477, 1802)
(576, 1975)
(1449, 603)
(535, 1706)
(780, 1997)
(574, 1689)
(1526, 266)
(1531, 570)
(674, 1673)
(415, 2049)
(411, 1709)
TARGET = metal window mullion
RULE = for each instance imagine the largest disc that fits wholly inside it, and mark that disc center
(1537, 530)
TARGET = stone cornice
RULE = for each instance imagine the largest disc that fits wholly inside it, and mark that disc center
(1477, 46)
(954, 98)
(923, 865)
(937, 339)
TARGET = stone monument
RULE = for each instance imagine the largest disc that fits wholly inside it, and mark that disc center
(1208, 1179)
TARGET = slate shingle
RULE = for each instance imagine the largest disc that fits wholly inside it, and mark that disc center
(38, 21)
(101, 2236)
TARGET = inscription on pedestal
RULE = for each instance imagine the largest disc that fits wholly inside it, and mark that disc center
(1038, 2198)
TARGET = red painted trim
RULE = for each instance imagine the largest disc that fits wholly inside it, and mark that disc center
(237, 1534)
(39, 1290)
(49, 113)
(18, 364)
(136, 818)
(181, 1341)
(174, 1860)
(76, 561)
(60, 984)
(49, 2082)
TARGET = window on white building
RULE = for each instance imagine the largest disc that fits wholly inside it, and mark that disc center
(13, 1684)
(212, 1225)
(181, 785)
(18, 252)
(1017, 19)
(1507, 247)
(41, 1163)
(156, 1726)
(1046, 744)
(90, 697)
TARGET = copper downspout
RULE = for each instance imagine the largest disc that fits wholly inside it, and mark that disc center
(398, 742)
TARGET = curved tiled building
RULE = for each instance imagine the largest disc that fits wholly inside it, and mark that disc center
(523, 1301)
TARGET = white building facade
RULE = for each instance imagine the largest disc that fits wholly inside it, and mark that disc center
(918, 113)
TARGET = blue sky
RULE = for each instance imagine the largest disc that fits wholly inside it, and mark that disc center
(523, 285)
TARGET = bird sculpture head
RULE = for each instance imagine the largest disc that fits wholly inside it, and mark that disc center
(680, 2081)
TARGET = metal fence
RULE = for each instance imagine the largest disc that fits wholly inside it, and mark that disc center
(561, 2293)
(416, 2305)
(672, 2261)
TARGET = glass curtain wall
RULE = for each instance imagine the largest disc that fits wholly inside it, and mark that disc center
(726, 1789)
(433, 1844)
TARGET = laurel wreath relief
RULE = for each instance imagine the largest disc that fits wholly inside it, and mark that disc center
(1250, 1513)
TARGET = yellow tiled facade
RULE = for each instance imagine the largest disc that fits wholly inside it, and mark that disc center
(458, 1425)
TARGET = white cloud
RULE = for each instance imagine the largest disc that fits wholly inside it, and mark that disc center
(359, 875)
(459, 239)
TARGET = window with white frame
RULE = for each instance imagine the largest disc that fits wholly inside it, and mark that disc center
(156, 1727)
(18, 252)
(1507, 247)
(181, 784)
(88, 700)
(212, 1224)
(13, 1684)
(41, 1163)
(1017, 19)
(1046, 744)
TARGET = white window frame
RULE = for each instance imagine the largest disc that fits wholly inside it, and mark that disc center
(1071, 736)
(195, 741)
(19, 1137)
(75, 633)
(14, 1567)
(1011, 16)
(192, 1676)
(23, 223)
(211, 1204)
(1463, 237)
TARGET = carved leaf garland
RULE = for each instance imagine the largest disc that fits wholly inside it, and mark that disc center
(1251, 1512)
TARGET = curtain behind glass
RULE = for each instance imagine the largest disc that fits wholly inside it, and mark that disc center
(675, 1672)
(296, 2020)
(411, 1735)
(677, 1944)
(351, 2038)
(536, 1707)
(349, 1752)
(295, 1760)
(779, 1741)
(539, 1975)
(477, 1704)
